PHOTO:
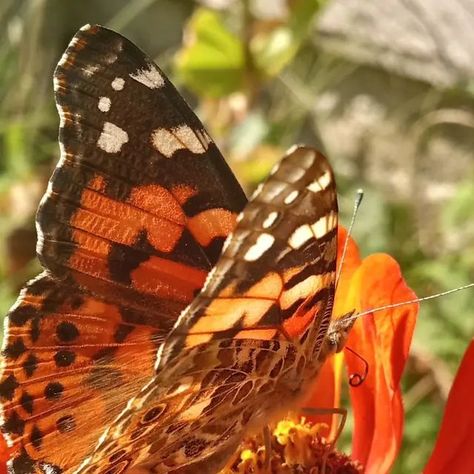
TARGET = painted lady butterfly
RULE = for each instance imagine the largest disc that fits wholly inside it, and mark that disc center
(110, 358)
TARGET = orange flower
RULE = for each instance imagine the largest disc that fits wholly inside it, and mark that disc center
(4, 455)
(454, 448)
(383, 340)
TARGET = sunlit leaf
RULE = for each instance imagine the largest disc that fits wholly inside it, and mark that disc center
(211, 61)
(273, 49)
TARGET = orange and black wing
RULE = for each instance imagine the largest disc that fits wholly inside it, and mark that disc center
(70, 363)
(142, 200)
(133, 219)
(276, 275)
(236, 356)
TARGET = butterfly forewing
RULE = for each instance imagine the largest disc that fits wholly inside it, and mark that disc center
(133, 219)
(277, 266)
(244, 350)
(142, 200)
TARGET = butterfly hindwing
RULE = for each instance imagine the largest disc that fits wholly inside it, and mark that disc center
(133, 219)
(65, 362)
(241, 352)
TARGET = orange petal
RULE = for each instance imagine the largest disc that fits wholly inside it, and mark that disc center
(352, 258)
(326, 394)
(454, 449)
(383, 340)
(352, 261)
(4, 455)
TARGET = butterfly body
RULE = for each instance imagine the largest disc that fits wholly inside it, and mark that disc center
(149, 344)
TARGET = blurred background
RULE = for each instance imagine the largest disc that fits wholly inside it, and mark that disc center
(386, 89)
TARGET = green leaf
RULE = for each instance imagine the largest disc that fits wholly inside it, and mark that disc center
(15, 157)
(212, 63)
(273, 50)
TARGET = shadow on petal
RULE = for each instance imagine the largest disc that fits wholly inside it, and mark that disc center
(383, 340)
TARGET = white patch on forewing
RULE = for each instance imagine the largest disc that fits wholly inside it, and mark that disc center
(324, 225)
(321, 183)
(295, 174)
(263, 243)
(118, 83)
(272, 190)
(291, 197)
(181, 137)
(104, 104)
(90, 70)
(197, 144)
(300, 236)
(110, 58)
(275, 168)
(270, 219)
(257, 191)
(112, 138)
(150, 77)
(204, 137)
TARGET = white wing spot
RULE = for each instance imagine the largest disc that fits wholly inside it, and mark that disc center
(275, 168)
(295, 174)
(110, 58)
(150, 77)
(118, 83)
(270, 220)
(300, 236)
(325, 179)
(197, 144)
(178, 138)
(324, 225)
(112, 138)
(321, 183)
(263, 243)
(257, 191)
(104, 104)
(90, 70)
(273, 189)
(291, 197)
(48, 468)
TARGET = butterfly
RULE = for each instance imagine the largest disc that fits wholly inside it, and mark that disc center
(172, 316)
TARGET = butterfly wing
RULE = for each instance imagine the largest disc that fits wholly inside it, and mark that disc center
(142, 200)
(133, 219)
(277, 267)
(66, 361)
(237, 355)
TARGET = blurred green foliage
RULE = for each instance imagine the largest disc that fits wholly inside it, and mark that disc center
(253, 79)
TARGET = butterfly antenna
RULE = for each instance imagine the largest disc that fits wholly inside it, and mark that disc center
(404, 303)
(357, 379)
(357, 201)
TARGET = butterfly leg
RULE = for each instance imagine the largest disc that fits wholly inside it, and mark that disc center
(328, 411)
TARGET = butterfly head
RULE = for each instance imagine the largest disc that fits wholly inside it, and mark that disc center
(338, 332)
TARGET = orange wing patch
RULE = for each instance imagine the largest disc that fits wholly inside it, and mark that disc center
(67, 359)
